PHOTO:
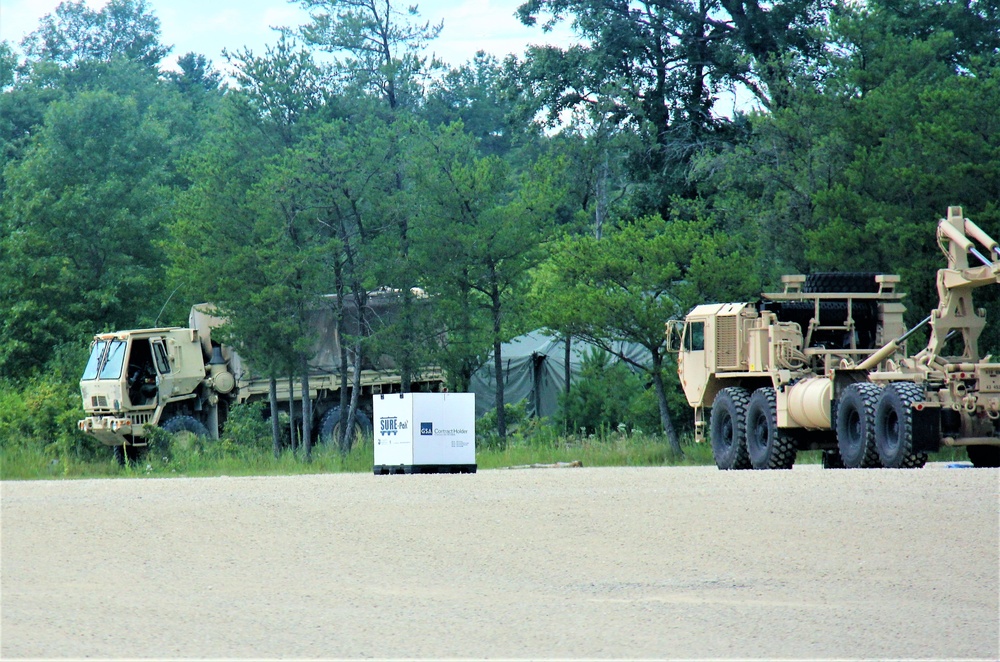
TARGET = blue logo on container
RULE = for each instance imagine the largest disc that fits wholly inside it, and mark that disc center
(388, 425)
(426, 429)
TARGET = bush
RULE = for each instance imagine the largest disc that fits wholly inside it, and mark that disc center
(38, 420)
(522, 429)
(609, 395)
(246, 426)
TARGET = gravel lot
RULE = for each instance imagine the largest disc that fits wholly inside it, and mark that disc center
(535, 563)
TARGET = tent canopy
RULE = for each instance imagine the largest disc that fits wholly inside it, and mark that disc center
(534, 369)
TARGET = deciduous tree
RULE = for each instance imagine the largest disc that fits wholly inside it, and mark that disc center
(624, 286)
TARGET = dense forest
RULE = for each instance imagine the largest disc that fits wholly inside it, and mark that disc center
(682, 151)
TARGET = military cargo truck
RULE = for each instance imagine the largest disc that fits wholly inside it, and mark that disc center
(823, 366)
(183, 381)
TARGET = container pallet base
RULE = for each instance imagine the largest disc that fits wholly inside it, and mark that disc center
(386, 469)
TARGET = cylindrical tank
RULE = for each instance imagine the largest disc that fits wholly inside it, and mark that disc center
(809, 402)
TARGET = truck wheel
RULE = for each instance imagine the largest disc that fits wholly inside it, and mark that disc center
(856, 425)
(330, 430)
(184, 430)
(768, 446)
(984, 456)
(894, 426)
(126, 455)
(728, 428)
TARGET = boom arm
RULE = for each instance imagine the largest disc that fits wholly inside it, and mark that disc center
(955, 311)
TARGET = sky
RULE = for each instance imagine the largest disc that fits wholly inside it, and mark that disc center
(208, 26)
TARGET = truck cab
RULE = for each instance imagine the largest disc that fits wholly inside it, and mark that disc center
(131, 376)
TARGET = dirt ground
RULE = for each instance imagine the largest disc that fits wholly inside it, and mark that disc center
(531, 563)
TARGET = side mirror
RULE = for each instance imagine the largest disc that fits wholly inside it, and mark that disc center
(673, 332)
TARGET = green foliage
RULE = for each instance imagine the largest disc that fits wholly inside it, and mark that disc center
(38, 420)
(479, 95)
(123, 188)
(519, 426)
(853, 174)
(246, 427)
(602, 397)
(121, 28)
(85, 195)
(624, 286)
(380, 45)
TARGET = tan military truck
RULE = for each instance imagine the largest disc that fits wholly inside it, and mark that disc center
(823, 366)
(184, 382)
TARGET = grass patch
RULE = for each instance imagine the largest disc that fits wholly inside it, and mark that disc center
(225, 458)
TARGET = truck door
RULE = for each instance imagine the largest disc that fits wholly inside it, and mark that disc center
(161, 361)
(691, 361)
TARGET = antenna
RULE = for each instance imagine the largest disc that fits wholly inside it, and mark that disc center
(157, 320)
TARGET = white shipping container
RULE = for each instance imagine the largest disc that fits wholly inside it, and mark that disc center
(425, 432)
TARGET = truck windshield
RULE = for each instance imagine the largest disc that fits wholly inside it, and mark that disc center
(112, 368)
(90, 372)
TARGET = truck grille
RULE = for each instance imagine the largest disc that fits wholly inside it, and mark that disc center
(99, 402)
(726, 351)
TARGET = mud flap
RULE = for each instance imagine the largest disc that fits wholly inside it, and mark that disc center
(926, 429)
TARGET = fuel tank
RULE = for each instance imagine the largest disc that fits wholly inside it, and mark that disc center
(808, 402)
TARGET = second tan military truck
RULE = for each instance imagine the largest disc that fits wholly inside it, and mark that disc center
(183, 381)
(823, 365)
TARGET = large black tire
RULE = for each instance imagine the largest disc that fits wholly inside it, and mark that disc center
(840, 282)
(126, 455)
(894, 426)
(984, 456)
(768, 446)
(330, 430)
(727, 428)
(184, 430)
(856, 425)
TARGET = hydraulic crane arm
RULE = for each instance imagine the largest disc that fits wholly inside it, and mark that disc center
(955, 311)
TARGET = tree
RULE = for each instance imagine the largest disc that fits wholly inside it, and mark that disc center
(284, 90)
(852, 175)
(657, 70)
(82, 211)
(626, 285)
(122, 28)
(240, 189)
(478, 94)
(382, 45)
(692, 46)
(378, 51)
(344, 175)
(196, 77)
(480, 230)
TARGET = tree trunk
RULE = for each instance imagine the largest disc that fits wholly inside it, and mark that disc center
(347, 423)
(498, 368)
(661, 398)
(601, 206)
(406, 367)
(306, 412)
(342, 346)
(569, 369)
(272, 391)
(293, 432)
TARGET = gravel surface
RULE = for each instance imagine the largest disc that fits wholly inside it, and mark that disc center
(533, 563)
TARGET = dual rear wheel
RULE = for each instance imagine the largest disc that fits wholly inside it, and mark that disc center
(744, 431)
(875, 426)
